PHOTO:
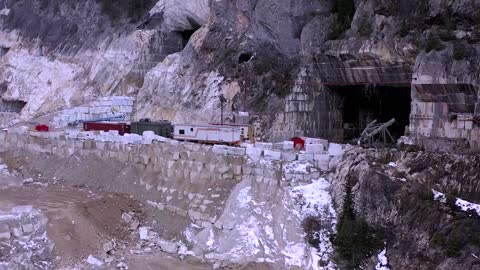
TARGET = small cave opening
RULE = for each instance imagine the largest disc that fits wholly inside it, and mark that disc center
(3, 51)
(15, 106)
(186, 35)
(244, 57)
(360, 105)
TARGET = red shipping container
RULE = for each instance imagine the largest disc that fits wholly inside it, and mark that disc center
(107, 126)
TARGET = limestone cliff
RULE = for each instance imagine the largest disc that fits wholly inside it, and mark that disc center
(285, 62)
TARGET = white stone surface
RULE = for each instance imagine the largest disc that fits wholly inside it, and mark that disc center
(314, 148)
(273, 155)
(335, 149)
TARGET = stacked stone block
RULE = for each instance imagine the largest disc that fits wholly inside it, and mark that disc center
(434, 120)
(105, 107)
(190, 180)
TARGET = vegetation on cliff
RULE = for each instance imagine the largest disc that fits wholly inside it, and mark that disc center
(355, 240)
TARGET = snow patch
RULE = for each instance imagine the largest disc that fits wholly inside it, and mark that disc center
(468, 206)
(464, 205)
(315, 200)
(294, 253)
(438, 196)
(244, 197)
(382, 260)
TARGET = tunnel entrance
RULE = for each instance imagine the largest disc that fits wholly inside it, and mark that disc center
(15, 106)
(360, 105)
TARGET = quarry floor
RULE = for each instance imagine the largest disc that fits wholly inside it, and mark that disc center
(81, 221)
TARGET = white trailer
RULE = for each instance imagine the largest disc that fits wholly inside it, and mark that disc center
(208, 133)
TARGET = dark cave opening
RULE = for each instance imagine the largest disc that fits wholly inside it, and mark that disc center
(363, 104)
(244, 57)
(186, 35)
(3, 51)
(12, 105)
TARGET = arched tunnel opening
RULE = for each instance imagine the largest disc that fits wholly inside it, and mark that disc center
(360, 105)
(186, 35)
(15, 106)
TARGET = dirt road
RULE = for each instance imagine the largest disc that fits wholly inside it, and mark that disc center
(81, 221)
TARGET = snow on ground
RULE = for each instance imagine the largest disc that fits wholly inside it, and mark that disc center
(392, 164)
(467, 206)
(461, 203)
(4, 170)
(263, 223)
(438, 196)
(382, 260)
(315, 200)
(298, 167)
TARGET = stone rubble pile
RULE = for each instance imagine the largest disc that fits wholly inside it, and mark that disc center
(8, 118)
(23, 240)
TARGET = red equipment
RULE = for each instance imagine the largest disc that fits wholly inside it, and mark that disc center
(107, 126)
(43, 128)
(298, 143)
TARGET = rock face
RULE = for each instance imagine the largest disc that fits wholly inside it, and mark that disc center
(394, 192)
(295, 66)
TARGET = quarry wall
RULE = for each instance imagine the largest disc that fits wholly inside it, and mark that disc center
(191, 180)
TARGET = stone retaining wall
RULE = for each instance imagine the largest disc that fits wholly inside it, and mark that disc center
(191, 180)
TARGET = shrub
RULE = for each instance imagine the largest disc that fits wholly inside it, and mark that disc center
(447, 35)
(134, 9)
(459, 51)
(312, 227)
(355, 239)
(365, 28)
(345, 9)
(433, 43)
(404, 29)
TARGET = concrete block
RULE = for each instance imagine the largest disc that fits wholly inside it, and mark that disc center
(316, 141)
(323, 165)
(314, 148)
(469, 125)
(289, 156)
(335, 149)
(254, 153)
(288, 145)
(321, 157)
(263, 145)
(274, 155)
(305, 157)
(220, 149)
(236, 151)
